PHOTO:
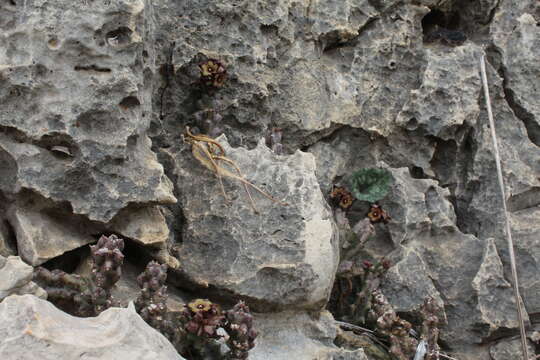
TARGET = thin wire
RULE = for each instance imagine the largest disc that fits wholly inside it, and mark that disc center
(508, 230)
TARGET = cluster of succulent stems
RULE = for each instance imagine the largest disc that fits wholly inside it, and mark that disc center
(82, 296)
(356, 298)
(197, 332)
(398, 331)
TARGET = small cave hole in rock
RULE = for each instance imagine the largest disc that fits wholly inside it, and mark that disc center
(129, 102)
(120, 36)
(53, 43)
(11, 237)
(68, 261)
(444, 27)
(412, 124)
(417, 172)
(432, 20)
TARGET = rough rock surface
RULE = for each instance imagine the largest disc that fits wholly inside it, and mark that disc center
(284, 257)
(7, 248)
(74, 104)
(95, 96)
(34, 328)
(41, 237)
(494, 292)
(508, 349)
(16, 278)
(299, 335)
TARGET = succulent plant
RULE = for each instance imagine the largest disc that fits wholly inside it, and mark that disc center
(388, 323)
(209, 121)
(430, 327)
(355, 283)
(86, 297)
(202, 318)
(67, 291)
(239, 327)
(106, 270)
(152, 301)
(371, 184)
(273, 141)
(200, 321)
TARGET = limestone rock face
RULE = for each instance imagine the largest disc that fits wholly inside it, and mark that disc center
(299, 335)
(35, 328)
(494, 292)
(41, 237)
(7, 248)
(95, 96)
(284, 257)
(72, 89)
(16, 278)
(508, 349)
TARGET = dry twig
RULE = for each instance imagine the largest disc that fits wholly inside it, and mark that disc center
(212, 155)
(503, 195)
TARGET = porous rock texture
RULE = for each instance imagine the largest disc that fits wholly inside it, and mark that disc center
(96, 94)
(283, 258)
(35, 329)
(298, 335)
(16, 278)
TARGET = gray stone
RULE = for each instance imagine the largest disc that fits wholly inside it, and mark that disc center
(83, 87)
(516, 39)
(495, 295)
(16, 278)
(34, 328)
(7, 248)
(408, 283)
(41, 237)
(509, 349)
(72, 76)
(448, 95)
(299, 335)
(145, 225)
(526, 232)
(436, 259)
(417, 206)
(284, 257)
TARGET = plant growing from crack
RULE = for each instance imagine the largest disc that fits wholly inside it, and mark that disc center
(388, 323)
(194, 332)
(273, 140)
(213, 73)
(239, 326)
(152, 301)
(82, 296)
(371, 184)
(430, 327)
(353, 289)
(201, 321)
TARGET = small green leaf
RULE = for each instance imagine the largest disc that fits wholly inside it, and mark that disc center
(371, 184)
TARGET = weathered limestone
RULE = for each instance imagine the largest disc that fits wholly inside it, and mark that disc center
(35, 328)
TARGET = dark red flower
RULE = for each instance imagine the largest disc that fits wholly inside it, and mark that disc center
(213, 73)
(377, 214)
